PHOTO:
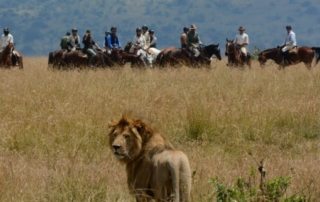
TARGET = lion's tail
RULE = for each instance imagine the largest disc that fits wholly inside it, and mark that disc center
(184, 179)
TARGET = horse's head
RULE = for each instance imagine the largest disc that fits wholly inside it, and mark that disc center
(229, 47)
(128, 46)
(262, 58)
(212, 49)
(8, 49)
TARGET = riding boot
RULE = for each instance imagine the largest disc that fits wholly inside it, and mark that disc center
(285, 56)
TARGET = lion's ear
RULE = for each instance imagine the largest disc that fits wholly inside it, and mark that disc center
(140, 126)
(112, 124)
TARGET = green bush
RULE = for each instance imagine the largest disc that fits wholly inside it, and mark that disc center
(273, 190)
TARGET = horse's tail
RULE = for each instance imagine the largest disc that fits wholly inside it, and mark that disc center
(317, 54)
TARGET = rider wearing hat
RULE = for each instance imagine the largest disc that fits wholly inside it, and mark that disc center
(153, 39)
(65, 42)
(242, 41)
(138, 42)
(193, 40)
(290, 43)
(74, 39)
(111, 39)
(145, 33)
(90, 45)
(6, 38)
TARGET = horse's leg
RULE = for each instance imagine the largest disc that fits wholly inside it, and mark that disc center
(20, 62)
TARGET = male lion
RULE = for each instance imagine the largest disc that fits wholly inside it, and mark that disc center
(155, 170)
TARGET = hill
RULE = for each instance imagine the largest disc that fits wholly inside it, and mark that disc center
(38, 25)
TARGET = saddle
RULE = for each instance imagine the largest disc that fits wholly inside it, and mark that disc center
(293, 50)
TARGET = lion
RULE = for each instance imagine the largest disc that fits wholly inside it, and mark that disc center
(155, 169)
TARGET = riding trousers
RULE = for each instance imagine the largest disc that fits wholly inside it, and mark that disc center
(244, 51)
(287, 48)
(91, 52)
(194, 50)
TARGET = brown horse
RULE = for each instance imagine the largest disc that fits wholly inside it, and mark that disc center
(173, 56)
(135, 60)
(235, 56)
(10, 57)
(301, 54)
(63, 59)
(179, 56)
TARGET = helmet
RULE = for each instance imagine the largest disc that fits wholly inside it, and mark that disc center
(74, 29)
(144, 27)
(151, 31)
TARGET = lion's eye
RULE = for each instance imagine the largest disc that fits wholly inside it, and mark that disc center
(126, 136)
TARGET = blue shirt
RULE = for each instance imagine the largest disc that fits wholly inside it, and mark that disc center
(111, 41)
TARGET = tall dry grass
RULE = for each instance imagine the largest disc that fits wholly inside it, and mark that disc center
(53, 127)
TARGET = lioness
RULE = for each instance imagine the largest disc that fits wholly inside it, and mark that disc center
(155, 170)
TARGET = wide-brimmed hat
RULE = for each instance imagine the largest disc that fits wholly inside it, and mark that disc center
(193, 26)
(241, 28)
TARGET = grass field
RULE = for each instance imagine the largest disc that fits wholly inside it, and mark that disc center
(53, 127)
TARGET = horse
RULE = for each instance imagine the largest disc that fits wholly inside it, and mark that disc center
(176, 56)
(173, 56)
(235, 56)
(10, 57)
(133, 58)
(63, 59)
(300, 54)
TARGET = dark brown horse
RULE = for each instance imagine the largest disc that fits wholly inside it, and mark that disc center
(10, 57)
(173, 56)
(176, 56)
(62, 59)
(235, 56)
(300, 54)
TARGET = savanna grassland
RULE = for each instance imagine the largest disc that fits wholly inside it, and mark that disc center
(53, 127)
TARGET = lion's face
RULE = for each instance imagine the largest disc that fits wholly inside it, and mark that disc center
(125, 141)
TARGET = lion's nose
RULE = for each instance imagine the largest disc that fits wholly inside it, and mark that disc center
(116, 147)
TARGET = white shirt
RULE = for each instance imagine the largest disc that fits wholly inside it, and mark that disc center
(147, 38)
(241, 39)
(291, 39)
(139, 42)
(5, 40)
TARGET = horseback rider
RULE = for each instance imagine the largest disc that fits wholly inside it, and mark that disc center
(145, 33)
(111, 40)
(75, 39)
(153, 39)
(90, 46)
(242, 41)
(65, 42)
(138, 45)
(193, 41)
(184, 38)
(289, 44)
(6, 38)
(139, 42)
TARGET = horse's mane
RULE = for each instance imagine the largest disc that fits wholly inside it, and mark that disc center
(268, 50)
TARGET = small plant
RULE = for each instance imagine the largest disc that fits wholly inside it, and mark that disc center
(273, 190)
